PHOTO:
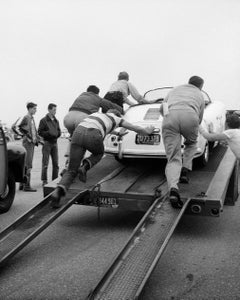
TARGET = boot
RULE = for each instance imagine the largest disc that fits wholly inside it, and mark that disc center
(56, 197)
(184, 176)
(27, 187)
(82, 171)
(175, 199)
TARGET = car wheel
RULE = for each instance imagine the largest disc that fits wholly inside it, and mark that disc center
(204, 158)
(7, 198)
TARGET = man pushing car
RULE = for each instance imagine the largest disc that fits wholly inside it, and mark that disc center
(89, 135)
(183, 111)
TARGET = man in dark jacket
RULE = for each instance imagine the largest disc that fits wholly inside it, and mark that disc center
(49, 130)
(87, 103)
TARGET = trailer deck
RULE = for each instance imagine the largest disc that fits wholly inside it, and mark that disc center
(134, 187)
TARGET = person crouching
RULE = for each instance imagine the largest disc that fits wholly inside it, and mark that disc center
(89, 135)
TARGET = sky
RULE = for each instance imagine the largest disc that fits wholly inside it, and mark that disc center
(52, 50)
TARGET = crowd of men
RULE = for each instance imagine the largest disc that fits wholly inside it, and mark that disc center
(182, 112)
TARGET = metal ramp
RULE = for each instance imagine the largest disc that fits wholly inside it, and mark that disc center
(30, 225)
(129, 272)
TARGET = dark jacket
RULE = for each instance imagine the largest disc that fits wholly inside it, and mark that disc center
(89, 103)
(49, 129)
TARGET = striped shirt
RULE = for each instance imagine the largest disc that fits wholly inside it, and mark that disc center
(103, 122)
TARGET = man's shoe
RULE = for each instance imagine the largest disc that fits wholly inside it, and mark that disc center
(82, 174)
(29, 189)
(184, 176)
(82, 171)
(63, 172)
(56, 197)
(175, 199)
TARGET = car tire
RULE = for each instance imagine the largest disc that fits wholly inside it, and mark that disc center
(204, 158)
(7, 199)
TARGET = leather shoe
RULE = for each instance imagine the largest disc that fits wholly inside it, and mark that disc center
(82, 174)
(184, 176)
(56, 197)
(82, 171)
(175, 199)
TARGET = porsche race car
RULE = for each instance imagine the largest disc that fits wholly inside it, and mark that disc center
(134, 145)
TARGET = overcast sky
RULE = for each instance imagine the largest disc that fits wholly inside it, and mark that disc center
(51, 50)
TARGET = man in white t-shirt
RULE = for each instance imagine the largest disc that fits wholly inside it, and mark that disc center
(231, 135)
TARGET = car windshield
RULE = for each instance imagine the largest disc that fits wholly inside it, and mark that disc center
(157, 94)
(160, 93)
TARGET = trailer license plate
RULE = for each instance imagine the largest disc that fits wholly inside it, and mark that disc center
(152, 139)
(108, 202)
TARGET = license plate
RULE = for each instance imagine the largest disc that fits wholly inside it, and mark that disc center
(107, 202)
(152, 139)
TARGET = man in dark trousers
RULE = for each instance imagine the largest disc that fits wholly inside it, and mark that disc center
(89, 135)
(50, 131)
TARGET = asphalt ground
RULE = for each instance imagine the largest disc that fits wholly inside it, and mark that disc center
(67, 260)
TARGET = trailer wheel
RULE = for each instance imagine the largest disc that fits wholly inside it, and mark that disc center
(7, 198)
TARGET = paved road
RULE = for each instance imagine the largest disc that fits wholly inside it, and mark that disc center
(66, 261)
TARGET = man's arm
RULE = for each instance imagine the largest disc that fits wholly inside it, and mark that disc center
(142, 130)
(212, 136)
(23, 126)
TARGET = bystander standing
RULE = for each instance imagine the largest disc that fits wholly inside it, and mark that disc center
(30, 139)
(50, 131)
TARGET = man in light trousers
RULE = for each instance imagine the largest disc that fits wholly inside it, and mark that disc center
(185, 107)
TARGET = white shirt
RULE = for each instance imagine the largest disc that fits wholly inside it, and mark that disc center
(233, 139)
(127, 88)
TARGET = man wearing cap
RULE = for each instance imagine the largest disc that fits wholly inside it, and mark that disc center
(184, 113)
(121, 89)
(30, 139)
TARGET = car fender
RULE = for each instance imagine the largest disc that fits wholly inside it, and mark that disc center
(16, 161)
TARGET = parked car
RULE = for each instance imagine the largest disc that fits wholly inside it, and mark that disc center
(133, 145)
(12, 164)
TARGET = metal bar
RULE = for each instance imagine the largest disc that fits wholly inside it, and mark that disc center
(31, 218)
(218, 187)
(140, 254)
(232, 191)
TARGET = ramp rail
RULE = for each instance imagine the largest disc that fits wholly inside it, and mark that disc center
(20, 233)
(131, 269)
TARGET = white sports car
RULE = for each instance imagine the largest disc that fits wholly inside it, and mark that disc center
(133, 145)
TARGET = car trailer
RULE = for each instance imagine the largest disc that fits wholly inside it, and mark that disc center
(137, 188)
